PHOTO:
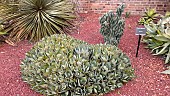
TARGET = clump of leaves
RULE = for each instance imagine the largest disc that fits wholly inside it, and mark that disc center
(158, 37)
(63, 66)
(149, 16)
(35, 19)
(8, 7)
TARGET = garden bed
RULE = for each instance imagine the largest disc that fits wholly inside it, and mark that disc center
(148, 82)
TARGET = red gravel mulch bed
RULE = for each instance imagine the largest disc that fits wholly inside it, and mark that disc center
(148, 82)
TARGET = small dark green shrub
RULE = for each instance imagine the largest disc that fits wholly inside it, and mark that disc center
(63, 66)
(112, 26)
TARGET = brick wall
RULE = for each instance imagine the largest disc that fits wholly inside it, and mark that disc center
(168, 8)
(133, 6)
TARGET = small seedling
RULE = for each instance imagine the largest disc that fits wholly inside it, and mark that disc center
(127, 14)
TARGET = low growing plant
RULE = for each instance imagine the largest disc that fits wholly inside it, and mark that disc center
(35, 19)
(127, 14)
(149, 16)
(158, 38)
(112, 26)
(63, 66)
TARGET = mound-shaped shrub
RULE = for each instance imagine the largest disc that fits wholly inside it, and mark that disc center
(64, 66)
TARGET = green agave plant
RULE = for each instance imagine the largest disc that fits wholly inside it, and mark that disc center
(164, 48)
(149, 16)
(158, 38)
(35, 19)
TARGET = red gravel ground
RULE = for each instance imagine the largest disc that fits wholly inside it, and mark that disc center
(148, 81)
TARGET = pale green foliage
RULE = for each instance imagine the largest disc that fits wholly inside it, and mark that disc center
(167, 71)
(112, 26)
(63, 66)
(158, 37)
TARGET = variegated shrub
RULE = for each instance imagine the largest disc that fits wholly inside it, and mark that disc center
(63, 66)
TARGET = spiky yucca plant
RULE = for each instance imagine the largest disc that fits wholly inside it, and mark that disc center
(36, 19)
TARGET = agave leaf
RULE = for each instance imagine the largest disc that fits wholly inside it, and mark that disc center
(167, 14)
(167, 57)
(150, 29)
(3, 33)
(162, 38)
(158, 49)
(157, 42)
(151, 13)
(167, 35)
(166, 72)
(163, 49)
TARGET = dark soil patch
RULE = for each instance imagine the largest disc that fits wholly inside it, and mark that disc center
(148, 81)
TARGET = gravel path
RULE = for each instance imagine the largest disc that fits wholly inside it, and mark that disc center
(148, 81)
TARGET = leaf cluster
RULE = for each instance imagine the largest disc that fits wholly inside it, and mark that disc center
(149, 16)
(63, 66)
(158, 37)
(35, 19)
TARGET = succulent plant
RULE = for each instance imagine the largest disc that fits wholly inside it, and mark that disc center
(35, 19)
(149, 16)
(63, 66)
(112, 26)
(127, 14)
(158, 37)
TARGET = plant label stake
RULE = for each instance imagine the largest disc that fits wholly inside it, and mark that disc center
(140, 31)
